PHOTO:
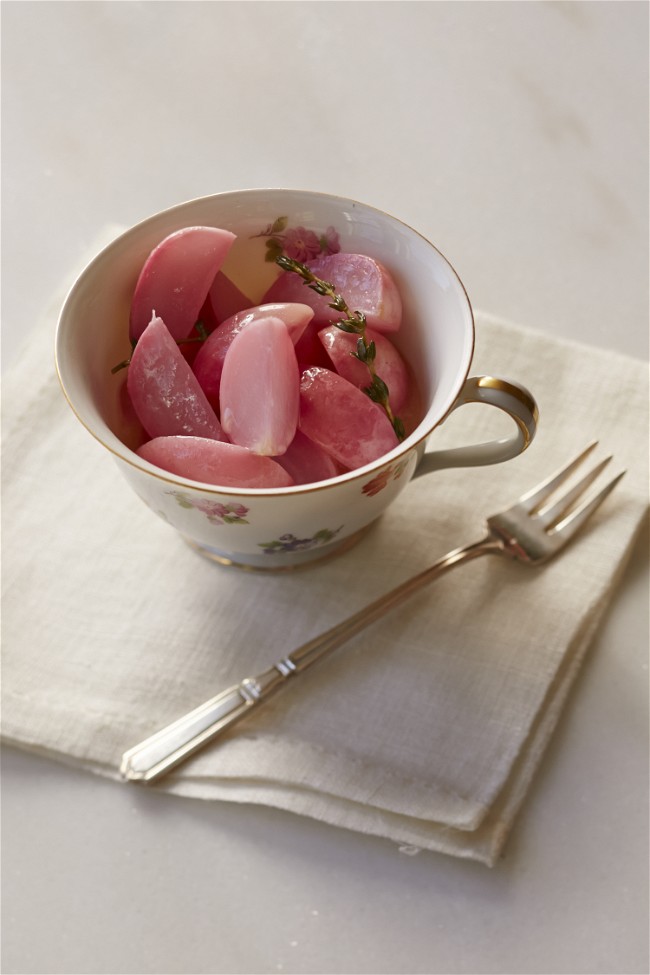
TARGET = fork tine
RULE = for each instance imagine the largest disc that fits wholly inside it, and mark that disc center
(548, 517)
(533, 499)
(574, 522)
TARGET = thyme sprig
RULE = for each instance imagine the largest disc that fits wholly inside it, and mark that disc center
(354, 323)
(201, 337)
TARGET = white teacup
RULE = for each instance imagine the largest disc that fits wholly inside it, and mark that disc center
(285, 527)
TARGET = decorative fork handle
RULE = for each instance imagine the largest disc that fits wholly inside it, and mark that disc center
(155, 756)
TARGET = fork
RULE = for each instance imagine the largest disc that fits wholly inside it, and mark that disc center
(530, 531)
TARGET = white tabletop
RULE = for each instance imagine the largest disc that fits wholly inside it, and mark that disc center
(515, 136)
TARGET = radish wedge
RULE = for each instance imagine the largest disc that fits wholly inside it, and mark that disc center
(132, 433)
(208, 364)
(389, 365)
(259, 393)
(306, 462)
(213, 462)
(309, 349)
(364, 283)
(164, 391)
(176, 278)
(343, 420)
(224, 299)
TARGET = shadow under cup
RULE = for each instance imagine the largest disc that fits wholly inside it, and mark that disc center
(279, 528)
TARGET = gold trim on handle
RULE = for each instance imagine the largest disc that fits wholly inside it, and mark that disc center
(511, 389)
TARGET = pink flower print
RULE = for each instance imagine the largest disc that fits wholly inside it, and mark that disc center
(213, 509)
(216, 513)
(238, 510)
(301, 244)
(229, 514)
(330, 242)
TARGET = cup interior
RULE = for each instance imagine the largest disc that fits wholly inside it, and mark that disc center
(436, 338)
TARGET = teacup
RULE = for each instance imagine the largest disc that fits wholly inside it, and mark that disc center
(286, 527)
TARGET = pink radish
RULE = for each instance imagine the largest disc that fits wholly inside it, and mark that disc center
(306, 462)
(343, 420)
(132, 432)
(164, 391)
(213, 462)
(310, 351)
(259, 395)
(388, 363)
(176, 278)
(223, 300)
(364, 283)
(208, 364)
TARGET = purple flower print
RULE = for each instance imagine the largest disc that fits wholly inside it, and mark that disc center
(301, 244)
(291, 543)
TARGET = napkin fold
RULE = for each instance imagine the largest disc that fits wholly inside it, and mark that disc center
(427, 727)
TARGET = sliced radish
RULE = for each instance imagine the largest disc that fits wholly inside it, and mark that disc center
(213, 462)
(364, 283)
(164, 391)
(388, 363)
(176, 278)
(343, 420)
(259, 394)
(306, 462)
(208, 364)
(132, 432)
(224, 299)
(310, 351)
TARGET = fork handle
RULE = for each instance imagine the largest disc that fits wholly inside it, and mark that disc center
(165, 749)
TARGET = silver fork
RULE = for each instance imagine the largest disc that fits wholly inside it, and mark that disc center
(528, 531)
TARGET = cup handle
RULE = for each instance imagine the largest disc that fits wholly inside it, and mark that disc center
(506, 395)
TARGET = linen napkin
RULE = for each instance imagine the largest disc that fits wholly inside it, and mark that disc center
(427, 727)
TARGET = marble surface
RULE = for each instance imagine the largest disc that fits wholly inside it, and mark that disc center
(514, 136)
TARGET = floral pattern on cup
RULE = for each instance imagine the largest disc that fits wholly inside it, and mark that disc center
(291, 543)
(379, 482)
(299, 243)
(215, 512)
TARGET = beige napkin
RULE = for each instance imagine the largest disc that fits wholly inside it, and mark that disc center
(427, 727)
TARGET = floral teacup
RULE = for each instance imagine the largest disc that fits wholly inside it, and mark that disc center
(286, 527)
